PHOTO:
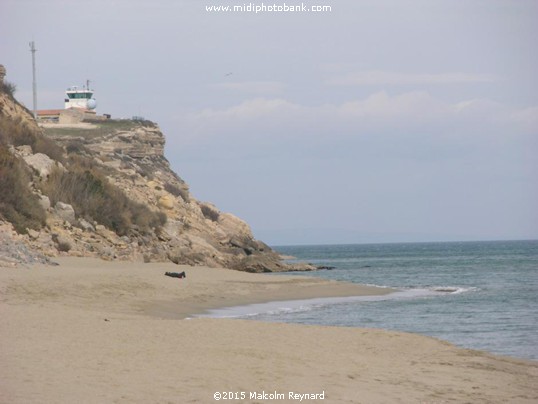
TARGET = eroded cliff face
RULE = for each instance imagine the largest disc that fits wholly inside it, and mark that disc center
(130, 154)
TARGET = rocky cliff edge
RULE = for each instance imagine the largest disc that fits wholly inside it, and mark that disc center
(105, 190)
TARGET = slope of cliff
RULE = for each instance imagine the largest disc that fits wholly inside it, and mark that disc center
(105, 189)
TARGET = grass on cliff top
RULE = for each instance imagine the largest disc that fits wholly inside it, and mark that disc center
(102, 128)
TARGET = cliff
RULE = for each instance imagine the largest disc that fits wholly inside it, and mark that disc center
(106, 190)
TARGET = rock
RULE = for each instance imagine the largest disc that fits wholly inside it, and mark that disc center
(15, 252)
(45, 244)
(42, 163)
(107, 253)
(166, 202)
(107, 235)
(139, 143)
(63, 242)
(24, 150)
(113, 164)
(34, 235)
(172, 227)
(44, 201)
(129, 172)
(301, 267)
(234, 226)
(200, 245)
(65, 211)
(266, 263)
(84, 225)
(155, 185)
(259, 263)
(242, 243)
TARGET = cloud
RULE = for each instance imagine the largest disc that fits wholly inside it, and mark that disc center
(376, 78)
(527, 117)
(413, 126)
(339, 67)
(253, 87)
(375, 108)
(380, 112)
(250, 111)
(383, 109)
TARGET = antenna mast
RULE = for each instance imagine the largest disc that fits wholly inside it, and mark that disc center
(34, 84)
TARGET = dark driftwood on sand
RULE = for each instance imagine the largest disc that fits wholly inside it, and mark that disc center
(176, 274)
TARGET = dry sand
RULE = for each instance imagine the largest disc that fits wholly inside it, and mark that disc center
(90, 331)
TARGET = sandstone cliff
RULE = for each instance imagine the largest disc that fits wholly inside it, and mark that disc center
(105, 189)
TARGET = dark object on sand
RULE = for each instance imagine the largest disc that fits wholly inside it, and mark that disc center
(176, 274)
(325, 267)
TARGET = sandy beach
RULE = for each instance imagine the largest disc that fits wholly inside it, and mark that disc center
(91, 331)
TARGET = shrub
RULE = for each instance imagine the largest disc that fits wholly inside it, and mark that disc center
(18, 204)
(210, 213)
(17, 133)
(49, 147)
(146, 172)
(64, 246)
(75, 147)
(143, 122)
(8, 88)
(177, 191)
(94, 197)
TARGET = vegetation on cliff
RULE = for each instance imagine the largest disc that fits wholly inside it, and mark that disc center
(85, 187)
(8, 88)
(17, 132)
(77, 181)
(18, 204)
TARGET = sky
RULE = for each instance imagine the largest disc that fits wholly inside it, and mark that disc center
(376, 121)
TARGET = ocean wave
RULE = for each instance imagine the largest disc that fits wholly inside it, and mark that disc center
(253, 310)
(453, 289)
(289, 306)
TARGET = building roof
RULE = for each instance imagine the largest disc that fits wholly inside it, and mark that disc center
(49, 111)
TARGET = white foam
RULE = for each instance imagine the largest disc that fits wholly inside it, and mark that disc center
(453, 289)
(309, 304)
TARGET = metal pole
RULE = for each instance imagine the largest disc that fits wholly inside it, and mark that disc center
(34, 84)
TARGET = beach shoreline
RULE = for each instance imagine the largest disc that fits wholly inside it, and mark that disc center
(99, 332)
(142, 288)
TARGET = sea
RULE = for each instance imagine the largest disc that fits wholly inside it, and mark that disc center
(478, 295)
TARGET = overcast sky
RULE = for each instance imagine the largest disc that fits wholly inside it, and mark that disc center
(380, 121)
